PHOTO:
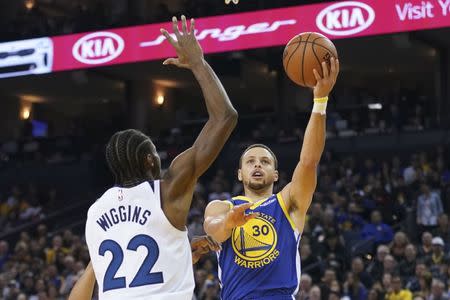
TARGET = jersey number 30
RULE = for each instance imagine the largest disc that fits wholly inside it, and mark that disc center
(143, 276)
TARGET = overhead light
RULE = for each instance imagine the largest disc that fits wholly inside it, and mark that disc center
(29, 4)
(26, 113)
(25, 110)
(375, 106)
(160, 100)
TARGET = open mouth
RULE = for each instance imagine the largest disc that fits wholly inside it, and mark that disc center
(257, 174)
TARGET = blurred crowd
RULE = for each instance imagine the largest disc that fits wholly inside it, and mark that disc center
(377, 229)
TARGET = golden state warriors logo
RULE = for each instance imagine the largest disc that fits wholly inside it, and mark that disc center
(254, 243)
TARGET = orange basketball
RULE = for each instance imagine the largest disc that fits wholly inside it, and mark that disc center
(304, 53)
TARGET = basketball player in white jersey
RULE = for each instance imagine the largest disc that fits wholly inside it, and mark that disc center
(136, 232)
(84, 287)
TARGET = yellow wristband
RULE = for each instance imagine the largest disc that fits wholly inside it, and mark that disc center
(321, 100)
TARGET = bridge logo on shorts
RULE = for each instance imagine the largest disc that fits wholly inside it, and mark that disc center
(345, 18)
(98, 48)
(254, 243)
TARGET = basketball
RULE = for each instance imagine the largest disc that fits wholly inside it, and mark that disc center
(304, 53)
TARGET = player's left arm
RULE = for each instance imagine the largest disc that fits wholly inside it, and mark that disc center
(298, 194)
(84, 287)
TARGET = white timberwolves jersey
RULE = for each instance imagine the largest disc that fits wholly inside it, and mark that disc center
(136, 253)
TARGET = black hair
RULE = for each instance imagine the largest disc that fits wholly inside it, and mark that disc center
(125, 155)
(275, 160)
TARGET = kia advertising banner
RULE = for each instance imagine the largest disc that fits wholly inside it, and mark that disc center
(250, 30)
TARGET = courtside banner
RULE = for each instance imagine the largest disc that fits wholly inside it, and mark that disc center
(259, 29)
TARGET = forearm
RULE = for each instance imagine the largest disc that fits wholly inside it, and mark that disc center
(215, 227)
(217, 102)
(314, 139)
(84, 287)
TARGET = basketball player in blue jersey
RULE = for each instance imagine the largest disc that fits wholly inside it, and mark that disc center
(260, 231)
(136, 231)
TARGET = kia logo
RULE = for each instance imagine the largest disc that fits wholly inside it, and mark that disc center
(98, 48)
(345, 18)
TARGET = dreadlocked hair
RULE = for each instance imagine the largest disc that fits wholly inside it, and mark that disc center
(125, 154)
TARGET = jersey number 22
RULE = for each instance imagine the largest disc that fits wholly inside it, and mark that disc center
(143, 276)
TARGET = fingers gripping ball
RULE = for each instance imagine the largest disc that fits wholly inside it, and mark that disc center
(229, 1)
(304, 53)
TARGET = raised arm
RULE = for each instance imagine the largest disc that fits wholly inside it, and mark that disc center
(182, 175)
(299, 192)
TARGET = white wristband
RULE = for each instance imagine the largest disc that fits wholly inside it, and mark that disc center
(320, 108)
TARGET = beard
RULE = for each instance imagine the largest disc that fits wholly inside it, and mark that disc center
(257, 185)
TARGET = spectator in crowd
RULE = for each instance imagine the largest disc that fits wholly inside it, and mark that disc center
(389, 264)
(429, 208)
(326, 282)
(358, 270)
(376, 230)
(353, 288)
(438, 291)
(375, 268)
(407, 266)
(4, 253)
(425, 248)
(438, 259)
(310, 262)
(399, 245)
(443, 230)
(398, 292)
(305, 287)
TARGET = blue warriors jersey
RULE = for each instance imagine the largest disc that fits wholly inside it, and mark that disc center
(260, 260)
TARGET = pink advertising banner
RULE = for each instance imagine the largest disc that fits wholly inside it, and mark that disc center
(266, 28)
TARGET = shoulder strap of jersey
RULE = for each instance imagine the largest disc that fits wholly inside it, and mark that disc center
(155, 186)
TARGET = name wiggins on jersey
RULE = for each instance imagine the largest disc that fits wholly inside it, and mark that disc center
(123, 214)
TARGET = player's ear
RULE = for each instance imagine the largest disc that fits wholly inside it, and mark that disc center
(239, 175)
(149, 161)
(275, 176)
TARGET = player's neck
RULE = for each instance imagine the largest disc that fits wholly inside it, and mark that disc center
(258, 195)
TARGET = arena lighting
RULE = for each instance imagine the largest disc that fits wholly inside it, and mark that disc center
(29, 4)
(375, 106)
(160, 99)
(233, 32)
(25, 110)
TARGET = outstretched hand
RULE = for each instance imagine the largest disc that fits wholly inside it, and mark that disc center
(188, 49)
(201, 245)
(237, 216)
(326, 82)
